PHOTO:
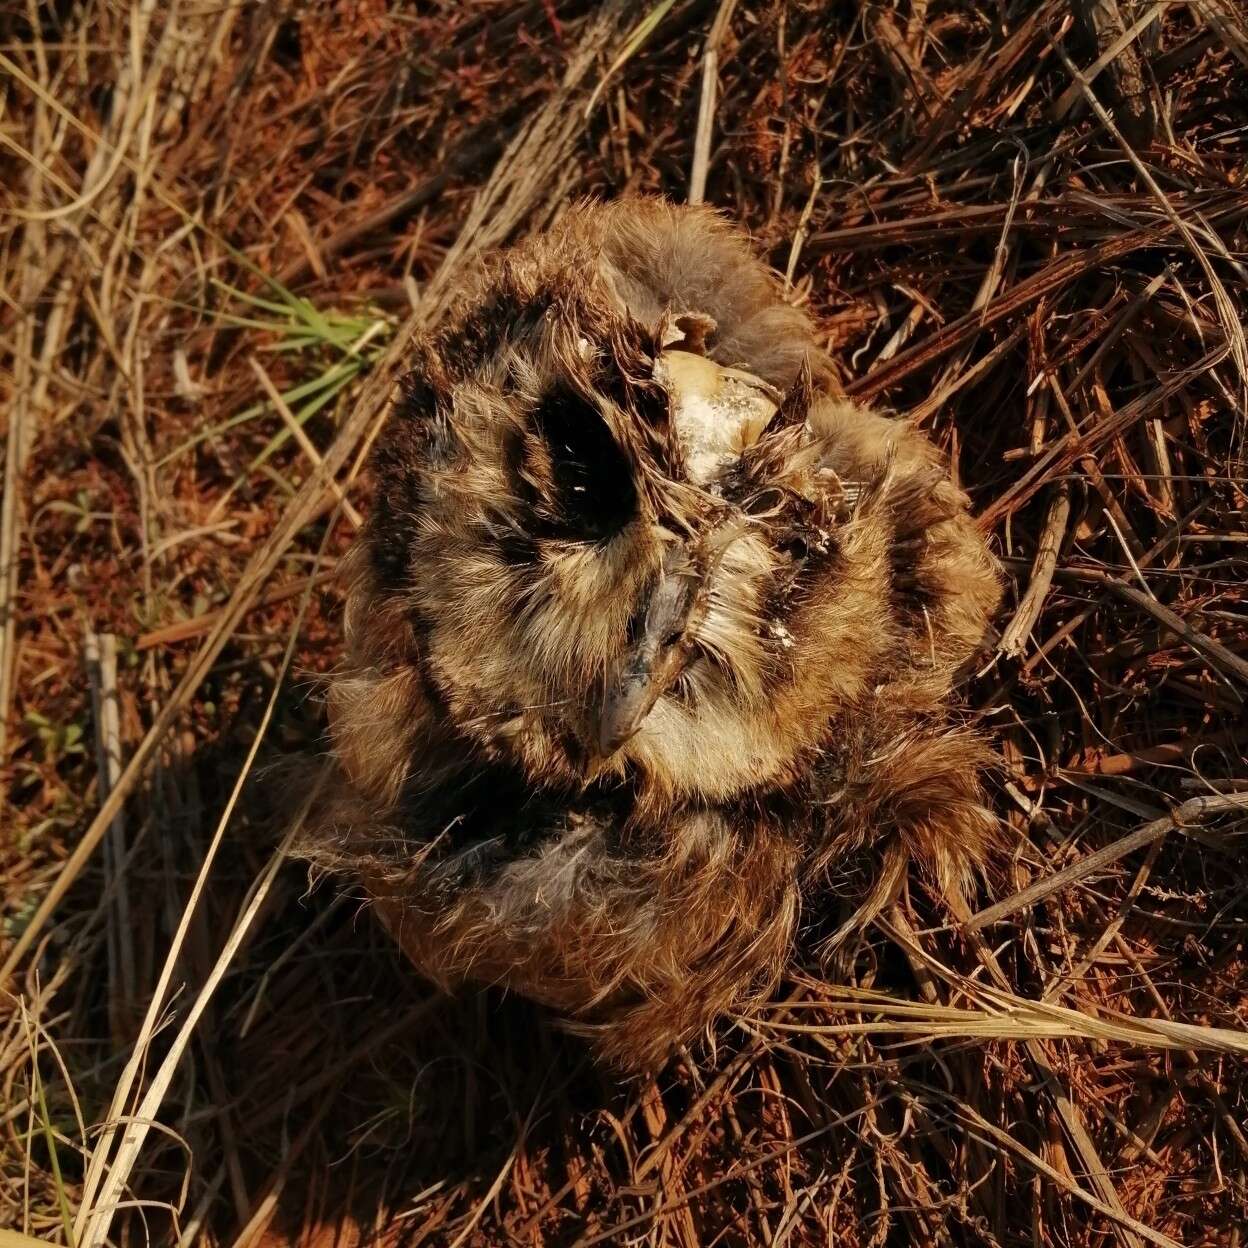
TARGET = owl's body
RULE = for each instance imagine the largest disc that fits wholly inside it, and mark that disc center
(649, 639)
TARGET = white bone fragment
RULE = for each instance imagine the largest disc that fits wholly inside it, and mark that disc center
(717, 412)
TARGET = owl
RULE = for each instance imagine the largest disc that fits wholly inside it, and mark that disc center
(649, 641)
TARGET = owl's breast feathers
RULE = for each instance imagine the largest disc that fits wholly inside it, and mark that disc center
(649, 640)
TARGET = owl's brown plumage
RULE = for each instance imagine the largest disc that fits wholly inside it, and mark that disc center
(649, 638)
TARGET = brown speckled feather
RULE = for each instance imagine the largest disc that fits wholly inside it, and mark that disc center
(618, 703)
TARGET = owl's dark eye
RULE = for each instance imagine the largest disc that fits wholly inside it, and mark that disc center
(592, 495)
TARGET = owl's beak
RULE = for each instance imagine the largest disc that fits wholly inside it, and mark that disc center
(657, 657)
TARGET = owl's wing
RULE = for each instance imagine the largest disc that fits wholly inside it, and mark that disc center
(945, 582)
(902, 790)
(641, 942)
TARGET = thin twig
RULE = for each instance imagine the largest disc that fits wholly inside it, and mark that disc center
(706, 103)
(1191, 811)
(1014, 638)
(101, 659)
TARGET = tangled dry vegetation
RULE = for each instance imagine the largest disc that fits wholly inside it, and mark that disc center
(1022, 222)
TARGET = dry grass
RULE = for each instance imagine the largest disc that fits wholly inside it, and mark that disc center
(1029, 235)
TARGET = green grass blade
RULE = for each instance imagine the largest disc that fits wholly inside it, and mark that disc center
(302, 415)
(335, 376)
(49, 1135)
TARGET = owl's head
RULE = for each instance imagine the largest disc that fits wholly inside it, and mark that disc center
(611, 512)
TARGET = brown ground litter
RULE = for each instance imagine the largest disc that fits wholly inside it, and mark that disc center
(1024, 223)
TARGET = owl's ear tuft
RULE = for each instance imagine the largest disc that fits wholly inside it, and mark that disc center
(582, 479)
